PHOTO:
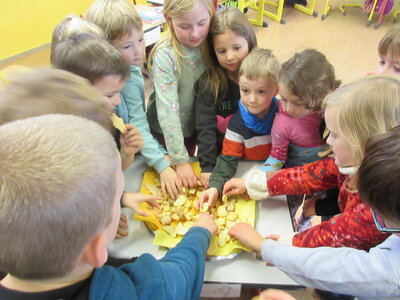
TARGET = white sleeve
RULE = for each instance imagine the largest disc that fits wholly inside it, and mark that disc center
(343, 270)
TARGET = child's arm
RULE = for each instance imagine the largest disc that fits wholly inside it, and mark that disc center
(353, 228)
(133, 95)
(279, 146)
(371, 274)
(247, 235)
(133, 201)
(206, 128)
(168, 105)
(180, 273)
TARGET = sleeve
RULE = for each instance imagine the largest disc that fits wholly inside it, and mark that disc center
(151, 148)
(353, 228)
(374, 273)
(224, 170)
(206, 127)
(178, 275)
(167, 105)
(307, 179)
(279, 146)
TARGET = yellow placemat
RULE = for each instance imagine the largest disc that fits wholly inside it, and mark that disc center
(244, 208)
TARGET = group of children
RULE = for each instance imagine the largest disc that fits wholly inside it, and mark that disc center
(214, 89)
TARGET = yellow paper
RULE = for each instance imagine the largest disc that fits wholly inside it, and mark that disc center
(244, 208)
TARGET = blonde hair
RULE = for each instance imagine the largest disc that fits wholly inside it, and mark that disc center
(48, 91)
(366, 107)
(72, 25)
(173, 9)
(57, 192)
(260, 63)
(116, 17)
(310, 76)
(91, 57)
(224, 20)
(390, 42)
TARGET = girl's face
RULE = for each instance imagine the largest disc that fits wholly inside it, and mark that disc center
(388, 64)
(256, 95)
(230, 49)
(192, 28)
(340, 147)
(292, 103)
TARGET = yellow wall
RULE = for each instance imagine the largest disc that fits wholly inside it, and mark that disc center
(27, 24)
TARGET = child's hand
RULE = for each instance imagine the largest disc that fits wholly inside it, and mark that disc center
(272, 294)
(309, 207)
(209, 195)
(122, 227)
(207, 221)
(235, 186)
(186, 174)
(170, 182)
(204, 178)
(133, 200)
(249, 237)
(131, 141)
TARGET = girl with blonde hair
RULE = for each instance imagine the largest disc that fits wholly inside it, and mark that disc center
(354, 113)
(177, 61)
(231, 38)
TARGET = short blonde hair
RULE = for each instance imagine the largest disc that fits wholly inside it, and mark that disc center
(116, 17)
(72, 25)
(309, 76)
(260, 63)
(49, 91)
(391, 42)
(91, 57)
(173, 9)
(57, 191)
(224, 20)
(366, 107)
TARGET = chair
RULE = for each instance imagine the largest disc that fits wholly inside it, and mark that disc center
(277, 16)
(243, 6)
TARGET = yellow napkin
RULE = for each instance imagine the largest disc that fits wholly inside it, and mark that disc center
(244, 208)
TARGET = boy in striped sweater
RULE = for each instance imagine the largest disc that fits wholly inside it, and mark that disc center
(249, 131)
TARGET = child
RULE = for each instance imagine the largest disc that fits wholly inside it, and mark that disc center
(61, 218)
(231, 38)
(389, 52)
(46, 91)
(177, 61)
(124, 30)
(368, 275)
(248, 134)
(70, 26)
(93, 58)
(353, 114)
(304, 81)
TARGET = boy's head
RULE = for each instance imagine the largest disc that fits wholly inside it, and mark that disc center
(50, 91)
(93, 58)
(304, 81)
(258, 81)
(123, 27)
(60, 192)
(379, 177)
(389, 52)
(72, 25)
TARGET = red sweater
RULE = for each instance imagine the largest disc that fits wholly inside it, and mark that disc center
(354, 227)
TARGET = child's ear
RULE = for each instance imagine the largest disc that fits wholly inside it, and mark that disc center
(276, 91)
(95, 253)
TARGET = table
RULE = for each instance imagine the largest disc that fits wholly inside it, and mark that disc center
(272, 216)
(152, 31)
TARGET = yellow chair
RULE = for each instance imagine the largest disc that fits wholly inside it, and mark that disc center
(344, 3)
(258, 5)
(277, 16)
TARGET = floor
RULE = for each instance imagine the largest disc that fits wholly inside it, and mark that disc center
(349, 45)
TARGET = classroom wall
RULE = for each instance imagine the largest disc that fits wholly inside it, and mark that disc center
(27, 24)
